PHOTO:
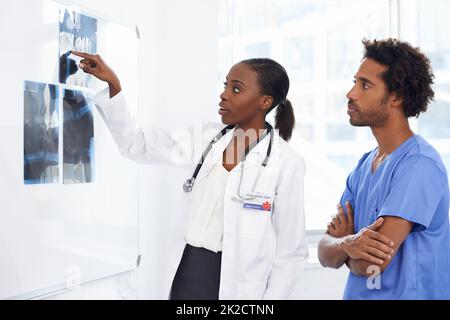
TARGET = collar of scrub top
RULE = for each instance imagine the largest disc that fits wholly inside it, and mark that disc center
(189, 184)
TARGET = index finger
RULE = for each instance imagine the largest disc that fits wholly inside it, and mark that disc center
(349, 212)
(341, 214)
(381, 237)
(85, 55)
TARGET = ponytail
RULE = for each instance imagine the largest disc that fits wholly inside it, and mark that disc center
(274, 81)
(285, 119)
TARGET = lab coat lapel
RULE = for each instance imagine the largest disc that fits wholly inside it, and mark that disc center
(252, 165)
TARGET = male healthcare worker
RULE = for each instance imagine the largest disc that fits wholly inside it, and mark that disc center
(394, 234)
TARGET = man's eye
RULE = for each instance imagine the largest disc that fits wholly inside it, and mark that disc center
(366, 86)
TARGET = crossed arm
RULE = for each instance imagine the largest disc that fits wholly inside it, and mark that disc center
(375, 245)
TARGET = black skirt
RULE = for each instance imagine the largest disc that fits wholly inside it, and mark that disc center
(198, 275)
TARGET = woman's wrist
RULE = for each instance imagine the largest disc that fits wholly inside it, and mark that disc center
(114, 87)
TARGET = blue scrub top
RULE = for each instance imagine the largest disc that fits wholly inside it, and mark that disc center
(411, 183)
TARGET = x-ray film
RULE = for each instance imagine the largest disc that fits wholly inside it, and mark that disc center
(76, 32)
(41, 133)
(78, 138)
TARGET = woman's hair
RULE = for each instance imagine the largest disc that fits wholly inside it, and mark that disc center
(274, 81)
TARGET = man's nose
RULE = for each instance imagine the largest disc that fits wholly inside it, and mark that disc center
(351, 94)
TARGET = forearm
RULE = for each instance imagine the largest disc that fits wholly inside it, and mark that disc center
(145, 144)
(362, 267)
(331, 253)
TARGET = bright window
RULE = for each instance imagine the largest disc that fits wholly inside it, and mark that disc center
(319, 44)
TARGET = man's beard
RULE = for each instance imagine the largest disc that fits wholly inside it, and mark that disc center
(371, 118)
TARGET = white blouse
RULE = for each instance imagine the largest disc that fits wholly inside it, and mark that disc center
(205, 225)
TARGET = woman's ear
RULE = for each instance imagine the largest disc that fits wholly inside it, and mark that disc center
(266, 103)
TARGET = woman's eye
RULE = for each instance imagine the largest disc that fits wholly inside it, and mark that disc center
(235, 89)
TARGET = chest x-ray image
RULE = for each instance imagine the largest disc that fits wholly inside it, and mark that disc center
(76, 32)
(41, 133)
(78, 137)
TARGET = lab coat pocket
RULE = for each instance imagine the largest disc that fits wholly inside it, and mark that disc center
(251, 290)
(253, 223)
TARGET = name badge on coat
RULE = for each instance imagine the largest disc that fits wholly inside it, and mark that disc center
(258, 201)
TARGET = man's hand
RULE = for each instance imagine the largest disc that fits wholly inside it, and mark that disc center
(342, 225)
(369, 245)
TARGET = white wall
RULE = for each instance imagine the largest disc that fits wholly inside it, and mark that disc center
(186, 81)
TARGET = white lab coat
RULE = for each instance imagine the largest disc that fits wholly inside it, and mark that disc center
(264, 252)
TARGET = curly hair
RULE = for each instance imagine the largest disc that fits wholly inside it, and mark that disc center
(409, 72)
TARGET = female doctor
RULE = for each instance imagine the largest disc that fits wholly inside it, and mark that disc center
(245, 236)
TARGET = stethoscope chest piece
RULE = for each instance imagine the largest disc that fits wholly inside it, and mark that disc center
(188, 185)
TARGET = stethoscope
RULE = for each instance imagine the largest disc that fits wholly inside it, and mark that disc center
(189, 184)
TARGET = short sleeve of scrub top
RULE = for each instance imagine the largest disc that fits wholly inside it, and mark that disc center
(416, 190)
(351, 185)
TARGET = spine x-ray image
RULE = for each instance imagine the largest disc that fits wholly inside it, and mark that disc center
(76, 32)
(41, 133)
(78, 138)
